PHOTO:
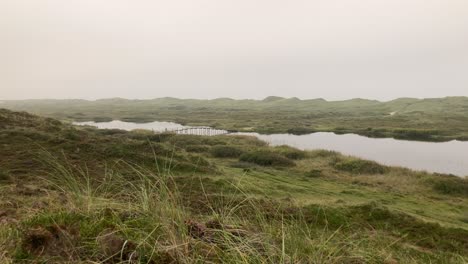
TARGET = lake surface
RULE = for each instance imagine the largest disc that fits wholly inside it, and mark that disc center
(446, 157)
(443, 157)
(155, 126)
(116, 124)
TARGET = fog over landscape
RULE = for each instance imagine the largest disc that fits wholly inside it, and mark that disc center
(234, 131)
(330, 49)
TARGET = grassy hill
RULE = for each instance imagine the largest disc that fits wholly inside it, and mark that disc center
(440, 119)
(82, 195)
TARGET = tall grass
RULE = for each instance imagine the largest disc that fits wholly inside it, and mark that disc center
(76, 184)
(7, 237)
(150, 194)
(145, 209)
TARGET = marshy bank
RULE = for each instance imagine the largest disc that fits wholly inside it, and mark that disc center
(80, 194)
(437, 157)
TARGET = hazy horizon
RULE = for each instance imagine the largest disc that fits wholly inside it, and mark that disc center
(334, 49)
(216, 98)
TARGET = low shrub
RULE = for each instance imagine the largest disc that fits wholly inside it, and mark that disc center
(110, 132)
(226, 152)
(246, 166)
(102, 119)
(266, 158)
(184, 140)
(161, 137)
(197, 148)
(291, 153)
(464, 218)
(412, 134)
(28, 134)
(452, 186)
(249, 140)
(71, 135)
(323, 154)
(375, 133)
(199, 160)
(314, 173)
(300, 131)
(213, 141)
(358, 166)
(4, 175)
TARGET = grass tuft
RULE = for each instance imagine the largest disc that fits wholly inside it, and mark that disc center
(451, 186)
(226, 152)
(266, 158)
(358, 166)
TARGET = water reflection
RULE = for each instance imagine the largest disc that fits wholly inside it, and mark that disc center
(117, 124)
(447, 157)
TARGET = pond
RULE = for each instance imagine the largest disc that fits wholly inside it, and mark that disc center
(155, 127)
(116, 124)
(446, 157)
(442, 157)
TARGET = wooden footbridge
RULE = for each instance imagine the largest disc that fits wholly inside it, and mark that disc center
(199, 131)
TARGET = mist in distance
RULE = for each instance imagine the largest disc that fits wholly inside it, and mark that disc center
(332, 49)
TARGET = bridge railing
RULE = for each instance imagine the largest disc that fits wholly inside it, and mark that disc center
(199, 131)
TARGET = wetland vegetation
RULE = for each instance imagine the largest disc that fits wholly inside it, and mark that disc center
(79, 194)
(439, 119)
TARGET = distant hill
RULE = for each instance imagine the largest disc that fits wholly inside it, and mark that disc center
(272, 99)
(401, 104)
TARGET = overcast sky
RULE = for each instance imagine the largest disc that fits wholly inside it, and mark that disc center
(333, 49)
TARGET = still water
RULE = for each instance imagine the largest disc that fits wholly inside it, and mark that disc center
(447, 157)
(116, 124)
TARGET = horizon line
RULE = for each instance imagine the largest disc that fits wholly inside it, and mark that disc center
(233, 99)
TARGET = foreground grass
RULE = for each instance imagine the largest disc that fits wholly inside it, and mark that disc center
(149, 220)
(86, 196)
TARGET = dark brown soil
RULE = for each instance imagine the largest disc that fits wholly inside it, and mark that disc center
(53, 240)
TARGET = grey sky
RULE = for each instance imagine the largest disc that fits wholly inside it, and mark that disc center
(334, 49)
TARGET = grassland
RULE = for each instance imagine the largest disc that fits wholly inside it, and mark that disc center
(440, 119)
(82, 195)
